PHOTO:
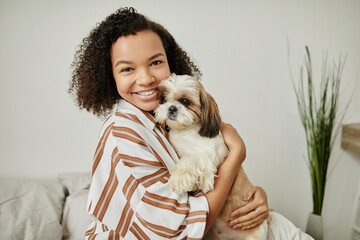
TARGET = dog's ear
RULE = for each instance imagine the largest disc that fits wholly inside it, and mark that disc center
(210, 115)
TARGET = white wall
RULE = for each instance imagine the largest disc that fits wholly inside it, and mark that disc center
(241, 47)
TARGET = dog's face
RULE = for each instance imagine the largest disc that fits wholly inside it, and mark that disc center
(184, 103)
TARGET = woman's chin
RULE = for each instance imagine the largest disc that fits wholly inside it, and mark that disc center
(148, 106)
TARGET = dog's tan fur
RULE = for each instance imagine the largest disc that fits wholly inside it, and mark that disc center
(240, 188)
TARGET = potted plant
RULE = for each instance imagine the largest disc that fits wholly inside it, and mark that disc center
(318, 109)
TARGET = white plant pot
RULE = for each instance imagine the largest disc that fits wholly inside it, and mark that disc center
(314, 226)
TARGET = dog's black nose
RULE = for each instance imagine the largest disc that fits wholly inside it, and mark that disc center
(172, 109)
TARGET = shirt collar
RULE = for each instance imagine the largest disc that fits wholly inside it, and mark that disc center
(145, 117)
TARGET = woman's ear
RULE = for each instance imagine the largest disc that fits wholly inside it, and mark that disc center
(210, 115)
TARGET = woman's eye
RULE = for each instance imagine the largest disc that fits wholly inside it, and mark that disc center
(126, 69)
(185, 102)
(157, 62)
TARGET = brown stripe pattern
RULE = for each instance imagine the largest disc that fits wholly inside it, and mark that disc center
(161, 175)
(196, 216)
(149, 116)
(129, 116)
(138, 233)
(133, 136)
(113, 235)
(100, 147)
(128, 134)
(108, 191)
(91, 231)
(125, 219)
(161, 142)
(129, 187)
(165, 203)
(135, 161)
(161, 230)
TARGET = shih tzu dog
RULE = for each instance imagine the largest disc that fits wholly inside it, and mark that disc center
(193, 119)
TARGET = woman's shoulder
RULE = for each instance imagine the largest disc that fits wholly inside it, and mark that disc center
(124, 120)
(130, 119)
(122, 114)
(128, 114)
(118, 119)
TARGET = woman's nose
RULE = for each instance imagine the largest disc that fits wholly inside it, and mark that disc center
(145, 77)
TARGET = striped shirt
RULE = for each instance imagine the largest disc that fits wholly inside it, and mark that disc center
(129, 196)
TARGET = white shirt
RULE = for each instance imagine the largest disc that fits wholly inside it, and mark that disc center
(129, 195)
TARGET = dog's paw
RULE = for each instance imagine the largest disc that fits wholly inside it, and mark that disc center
(207, 187)
(206, 182)
(181, 182)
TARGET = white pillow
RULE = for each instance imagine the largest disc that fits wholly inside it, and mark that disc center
(31, 209)
(75, 218)
(75, 181)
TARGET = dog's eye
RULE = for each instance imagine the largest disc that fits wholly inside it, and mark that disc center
(184, 102)
(162, 99)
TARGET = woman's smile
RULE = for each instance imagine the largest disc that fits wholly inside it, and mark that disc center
(147, 94)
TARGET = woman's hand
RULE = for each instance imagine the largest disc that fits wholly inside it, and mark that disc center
(253, 213)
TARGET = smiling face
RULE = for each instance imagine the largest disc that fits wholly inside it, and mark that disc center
(139, 64)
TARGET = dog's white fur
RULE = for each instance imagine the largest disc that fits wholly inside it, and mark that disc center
(196, 169)
(194, 121)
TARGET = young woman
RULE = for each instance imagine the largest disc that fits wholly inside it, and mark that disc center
(121, 64)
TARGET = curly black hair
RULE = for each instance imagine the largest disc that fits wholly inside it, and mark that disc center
(92, 84)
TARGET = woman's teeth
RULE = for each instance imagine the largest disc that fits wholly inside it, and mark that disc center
(146, 93)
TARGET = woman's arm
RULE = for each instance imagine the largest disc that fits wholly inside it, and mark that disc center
(226, 173)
